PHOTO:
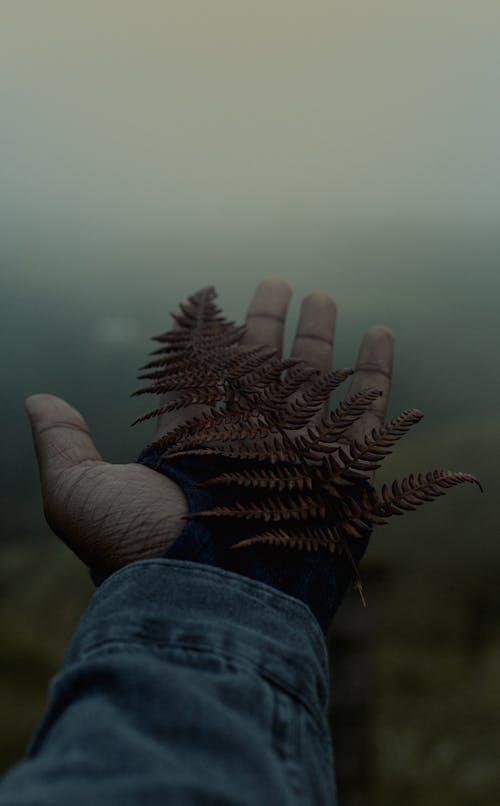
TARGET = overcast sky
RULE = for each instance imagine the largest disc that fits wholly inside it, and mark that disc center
(129, 115)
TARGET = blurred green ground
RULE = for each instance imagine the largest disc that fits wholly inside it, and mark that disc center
(434, 634)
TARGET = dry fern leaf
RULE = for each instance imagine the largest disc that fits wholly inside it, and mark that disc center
(224, 432)
(365, 457)
(298, 413)
(257, 402)
(279, 508)
(184, 431)
(224, 335)
(414, 491)
(280, 478)
(298, 374)
(179, 382)
(203, 396)
(346, 413)
(306, 539)
(323, 438)
(255, 363)
(270, 450)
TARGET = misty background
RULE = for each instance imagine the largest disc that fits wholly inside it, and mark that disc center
(150, 149)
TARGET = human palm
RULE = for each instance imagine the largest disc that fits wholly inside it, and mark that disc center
(113, 514)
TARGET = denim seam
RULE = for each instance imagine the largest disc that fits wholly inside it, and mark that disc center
(233, 580)
(288, 747)
(112, 646)
(139, 638)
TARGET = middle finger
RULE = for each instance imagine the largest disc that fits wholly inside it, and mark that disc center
(315, 335)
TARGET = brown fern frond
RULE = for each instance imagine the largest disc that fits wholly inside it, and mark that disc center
(298, 413)
(179, 382)
(365, 457)
(297, 375)
(225, 432)
(257, 402)
(346, 413)
(194, 348)
(203, 396)
(249, 360)
(319, 391)
(276, 395)
(223, 335)
(270, 450)
(275, 509)
(268, 373)
(177, 338)
(280, 478)
(306, 539)
(323, 438)
(415, 491)
(223, 358)
(199, 308)
(167, 350)
(179, 362)
(184, 431)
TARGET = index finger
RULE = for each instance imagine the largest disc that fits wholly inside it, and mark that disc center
(265, 320)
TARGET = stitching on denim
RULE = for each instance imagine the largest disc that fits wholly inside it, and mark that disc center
(110, 646)
(288, 747)
(234, 581)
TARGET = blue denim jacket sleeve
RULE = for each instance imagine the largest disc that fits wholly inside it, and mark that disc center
(184, 684)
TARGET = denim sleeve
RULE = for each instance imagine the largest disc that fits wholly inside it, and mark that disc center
(184, 684)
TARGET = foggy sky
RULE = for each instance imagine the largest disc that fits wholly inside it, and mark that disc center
(128, 118)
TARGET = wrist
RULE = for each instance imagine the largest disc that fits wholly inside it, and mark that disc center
(319, 578)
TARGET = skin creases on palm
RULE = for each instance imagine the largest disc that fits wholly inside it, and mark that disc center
(111, 515)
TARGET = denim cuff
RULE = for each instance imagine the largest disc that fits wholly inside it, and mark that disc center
(163, 603)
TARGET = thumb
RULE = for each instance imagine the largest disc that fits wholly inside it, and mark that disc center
(61, 436)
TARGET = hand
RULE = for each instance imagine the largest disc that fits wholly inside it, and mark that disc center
(111, 515)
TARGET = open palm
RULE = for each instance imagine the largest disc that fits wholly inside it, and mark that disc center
(113, 514)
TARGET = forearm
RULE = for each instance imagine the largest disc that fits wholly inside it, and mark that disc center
(188, 683)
